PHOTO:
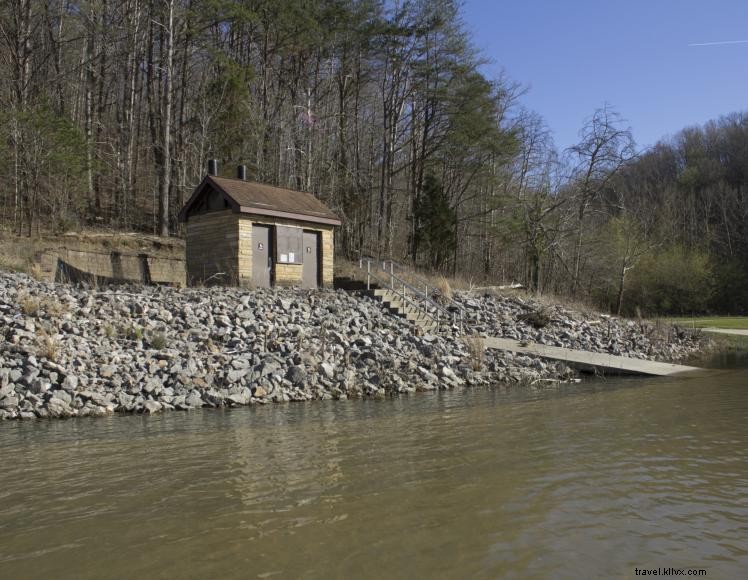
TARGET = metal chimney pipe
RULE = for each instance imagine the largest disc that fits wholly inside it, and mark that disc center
(241, 172)
(212, 166)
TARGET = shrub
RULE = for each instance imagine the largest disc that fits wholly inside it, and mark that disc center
(53, 307)
(13, 263)
(536, 318)
(48, 346)
(476, 350)
(674, 281)
(134, 333)
(157, 340)
(65, 223)
(28, 304)
(35, 271)
(444, 295)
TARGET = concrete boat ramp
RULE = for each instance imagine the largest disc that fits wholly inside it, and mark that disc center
(597, 362)
(734, 331)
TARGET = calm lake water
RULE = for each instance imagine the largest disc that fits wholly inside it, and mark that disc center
(589, 480)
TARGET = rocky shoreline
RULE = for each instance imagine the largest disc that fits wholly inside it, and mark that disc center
(71, 351)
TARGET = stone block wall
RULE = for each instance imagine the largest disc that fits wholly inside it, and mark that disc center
(285, 274)
(244, 265)
(288, 274)
(328, 255)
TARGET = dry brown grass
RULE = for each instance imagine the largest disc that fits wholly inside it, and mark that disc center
(476, 348)
(12, 263)
(348, 269)
(443, 285)
(574, 304)
(35, 271)
(29, 304)
(444, 290)
(119, 241)
(48, 346)
(51, 348)
(20, 253)
(546, 301)
(53, 307)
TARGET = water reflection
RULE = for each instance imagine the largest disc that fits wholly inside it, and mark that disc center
(583, 480)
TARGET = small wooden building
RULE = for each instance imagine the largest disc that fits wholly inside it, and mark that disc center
(256, 235)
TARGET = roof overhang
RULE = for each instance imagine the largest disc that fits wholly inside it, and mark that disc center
(288, 215)
(207, 181)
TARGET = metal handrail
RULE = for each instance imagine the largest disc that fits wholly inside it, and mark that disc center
(411, 274)
(402, 284)
(402, 294)
(453, 303)
(385, 283)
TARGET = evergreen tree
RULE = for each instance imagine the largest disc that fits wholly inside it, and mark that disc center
(435, 223)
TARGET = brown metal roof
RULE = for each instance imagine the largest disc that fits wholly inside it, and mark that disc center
(261, 199)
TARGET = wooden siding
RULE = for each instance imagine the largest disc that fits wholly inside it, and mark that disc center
(213, 248)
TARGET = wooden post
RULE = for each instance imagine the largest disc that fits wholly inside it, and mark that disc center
(368, 274)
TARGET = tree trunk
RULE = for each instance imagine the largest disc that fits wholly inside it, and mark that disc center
(578, 249)
(621, 286)
(165, 181)
(88, 108)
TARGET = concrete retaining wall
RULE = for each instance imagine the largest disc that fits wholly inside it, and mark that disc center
(73, 265)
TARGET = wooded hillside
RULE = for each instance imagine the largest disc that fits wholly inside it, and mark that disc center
(112, 108)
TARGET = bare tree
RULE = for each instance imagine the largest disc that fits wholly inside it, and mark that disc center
(604, 149)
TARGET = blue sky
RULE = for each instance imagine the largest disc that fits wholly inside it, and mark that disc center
(576, 55)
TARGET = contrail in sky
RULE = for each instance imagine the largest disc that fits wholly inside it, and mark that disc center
(718, 43)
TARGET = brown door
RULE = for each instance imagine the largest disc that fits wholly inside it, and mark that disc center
(310, 251)
(261, 256)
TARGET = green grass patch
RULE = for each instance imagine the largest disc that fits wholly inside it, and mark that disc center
(731, 322)
(726, 343)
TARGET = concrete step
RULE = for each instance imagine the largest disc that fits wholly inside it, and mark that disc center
(416, 316)
(412, 314)
(394, 302)
(389, 295)
(397, 302)
(411, 309)
(405, 307)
